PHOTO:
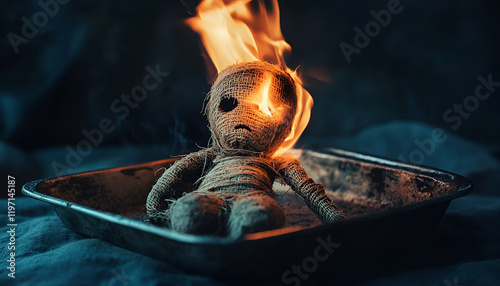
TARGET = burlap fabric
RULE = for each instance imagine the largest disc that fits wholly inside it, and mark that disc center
(232, 108)
(227, 188)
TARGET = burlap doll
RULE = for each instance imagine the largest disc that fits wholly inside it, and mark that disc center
(227, 188)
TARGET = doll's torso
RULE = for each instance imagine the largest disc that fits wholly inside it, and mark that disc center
(239, 174)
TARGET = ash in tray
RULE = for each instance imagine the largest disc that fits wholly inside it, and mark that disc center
(227, 188)
(359, 189)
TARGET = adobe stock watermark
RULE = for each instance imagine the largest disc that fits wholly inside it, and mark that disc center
(455, 116)
(372, 29)
(121, 277)
(11, 226)
(310, 264)
(39, 19)
(455, 282)
(121, 106)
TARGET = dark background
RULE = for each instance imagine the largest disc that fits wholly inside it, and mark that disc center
(395, 91)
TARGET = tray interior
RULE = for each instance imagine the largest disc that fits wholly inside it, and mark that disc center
(359, 186)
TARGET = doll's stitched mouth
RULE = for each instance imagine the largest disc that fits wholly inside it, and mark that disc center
(243, 126)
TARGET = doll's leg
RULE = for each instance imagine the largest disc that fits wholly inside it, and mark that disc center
(254, 213)
(197, 213)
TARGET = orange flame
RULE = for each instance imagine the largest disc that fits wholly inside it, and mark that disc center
(236, 31)
(262, 96)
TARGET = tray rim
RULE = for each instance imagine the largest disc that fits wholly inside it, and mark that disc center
(464, 187)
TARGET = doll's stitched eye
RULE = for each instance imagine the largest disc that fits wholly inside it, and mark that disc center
(227, 104)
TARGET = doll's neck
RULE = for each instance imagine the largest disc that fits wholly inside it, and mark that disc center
(226, 152)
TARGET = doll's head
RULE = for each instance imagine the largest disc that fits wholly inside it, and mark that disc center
(252, 106)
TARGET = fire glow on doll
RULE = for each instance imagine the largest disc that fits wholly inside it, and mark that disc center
(226, 189)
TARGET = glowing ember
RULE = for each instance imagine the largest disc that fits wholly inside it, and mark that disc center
(241, 31)
(262, 97)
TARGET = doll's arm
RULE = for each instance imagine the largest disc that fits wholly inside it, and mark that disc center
(178, 179)
(313, 194)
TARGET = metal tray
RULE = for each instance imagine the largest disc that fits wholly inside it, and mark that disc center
(389, 205)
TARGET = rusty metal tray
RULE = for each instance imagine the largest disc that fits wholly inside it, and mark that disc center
(389, 205)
